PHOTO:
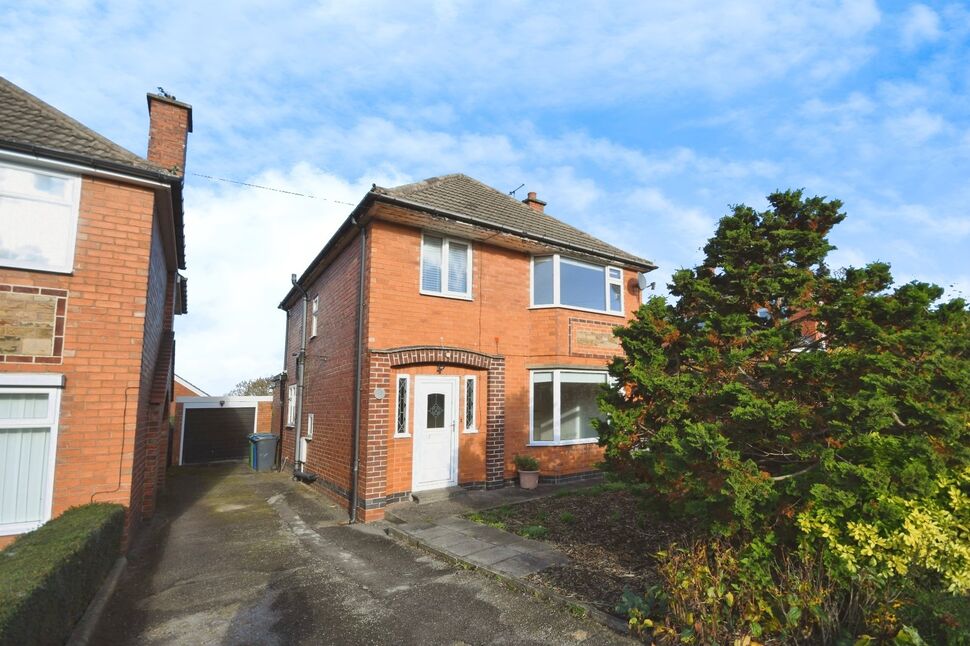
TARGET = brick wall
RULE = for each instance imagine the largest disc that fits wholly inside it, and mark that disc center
(104, 327)
(329, 372)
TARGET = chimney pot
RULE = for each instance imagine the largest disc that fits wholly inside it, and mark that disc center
(534, 203)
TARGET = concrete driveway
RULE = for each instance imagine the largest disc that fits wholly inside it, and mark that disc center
(236, 557)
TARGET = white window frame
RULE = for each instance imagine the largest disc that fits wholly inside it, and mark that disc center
(291, 405)
(74, 203)
(397, 405)
(445, 244)
(309, 426)
(473, 427)
(556, 406)
(314, 310)
(607, 281)
(33, 384)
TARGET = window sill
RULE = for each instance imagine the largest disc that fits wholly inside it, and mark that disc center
(592, 440)
(401, 436)
(457, 297)
(470, 431)
(577, 309)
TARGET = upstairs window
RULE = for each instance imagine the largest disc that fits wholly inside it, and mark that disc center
(38, 218)
(446, 267)
(564, 282)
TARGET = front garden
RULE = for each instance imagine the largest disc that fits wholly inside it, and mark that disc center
(609, 534)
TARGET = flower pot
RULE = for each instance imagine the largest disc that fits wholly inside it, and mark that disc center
(528, 479)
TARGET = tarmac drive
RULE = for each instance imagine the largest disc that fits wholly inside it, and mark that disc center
(237, 557)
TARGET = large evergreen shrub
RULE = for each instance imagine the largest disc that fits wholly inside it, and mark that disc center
(789, 407)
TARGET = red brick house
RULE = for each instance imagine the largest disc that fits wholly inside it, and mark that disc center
(91, 243)
(448, 328)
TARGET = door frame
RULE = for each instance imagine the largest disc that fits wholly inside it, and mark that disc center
(451, 382)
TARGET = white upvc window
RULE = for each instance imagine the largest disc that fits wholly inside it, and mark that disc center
(446, 266)
(291, 405)
(29, 411)
(314, 310)
(558, 281)
(401, 407)
(562, 404)
(471, 403)
(309, 426)
(38, 218)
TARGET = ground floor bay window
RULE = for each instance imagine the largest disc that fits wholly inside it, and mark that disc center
(29, 407)
(563, 403)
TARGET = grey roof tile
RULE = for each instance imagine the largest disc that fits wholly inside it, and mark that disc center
(27, 121)
(463, 195)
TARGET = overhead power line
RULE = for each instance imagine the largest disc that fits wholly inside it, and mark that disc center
(270, 188)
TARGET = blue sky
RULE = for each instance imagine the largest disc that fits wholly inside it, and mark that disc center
(639, 122)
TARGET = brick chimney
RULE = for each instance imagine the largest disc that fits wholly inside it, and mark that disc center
(535, 203)
(170, 123)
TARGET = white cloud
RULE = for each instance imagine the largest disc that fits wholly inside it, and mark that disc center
(916, 127)
(920, 25)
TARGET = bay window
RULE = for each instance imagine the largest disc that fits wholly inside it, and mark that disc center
(563, 403)
(564, 282)
(38, 218)
(446, 267)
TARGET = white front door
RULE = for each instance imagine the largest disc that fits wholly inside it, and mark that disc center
(435, 433)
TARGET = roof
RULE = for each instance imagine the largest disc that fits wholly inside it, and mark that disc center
(462, 195)
(27, 123)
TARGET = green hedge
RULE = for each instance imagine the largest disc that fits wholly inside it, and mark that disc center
(50, 575)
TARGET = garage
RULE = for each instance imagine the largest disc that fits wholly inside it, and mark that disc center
(217, 429)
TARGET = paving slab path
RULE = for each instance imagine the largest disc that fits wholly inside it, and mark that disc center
(237, 557)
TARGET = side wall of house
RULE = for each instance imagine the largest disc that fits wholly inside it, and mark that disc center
(155, 383)
(100, 339)
(329, 372)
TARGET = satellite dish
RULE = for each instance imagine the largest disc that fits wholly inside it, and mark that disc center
(642, 281)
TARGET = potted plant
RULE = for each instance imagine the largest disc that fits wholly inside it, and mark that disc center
(528, 468)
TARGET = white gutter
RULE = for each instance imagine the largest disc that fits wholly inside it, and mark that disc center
(46, 162)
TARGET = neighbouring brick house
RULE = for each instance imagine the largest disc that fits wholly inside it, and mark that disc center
(482, 327)
(91, 242)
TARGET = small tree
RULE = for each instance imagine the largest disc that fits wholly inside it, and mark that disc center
(780, 401)
(253, 387)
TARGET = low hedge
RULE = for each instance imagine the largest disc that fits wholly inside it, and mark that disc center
(50, 575)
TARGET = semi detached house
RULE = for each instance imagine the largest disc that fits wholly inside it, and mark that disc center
(449, 327)
(90, 250)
